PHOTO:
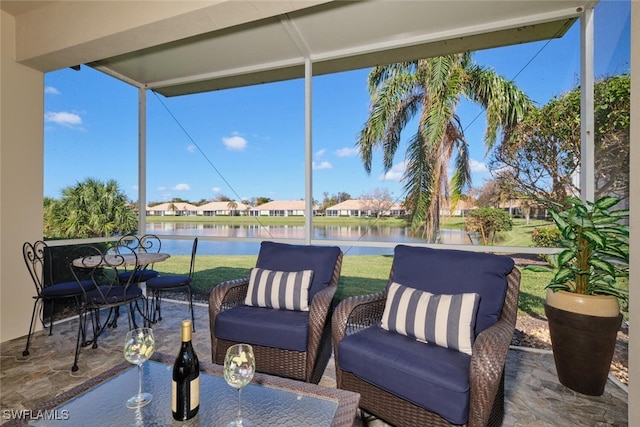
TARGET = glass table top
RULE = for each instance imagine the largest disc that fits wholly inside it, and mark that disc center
(262, 404)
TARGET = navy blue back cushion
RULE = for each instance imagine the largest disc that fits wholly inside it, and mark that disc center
(442, 271)
(285, 257)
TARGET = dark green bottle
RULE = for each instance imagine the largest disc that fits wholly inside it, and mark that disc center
(185, 387)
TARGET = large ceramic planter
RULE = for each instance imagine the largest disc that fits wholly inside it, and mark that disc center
(584, 341)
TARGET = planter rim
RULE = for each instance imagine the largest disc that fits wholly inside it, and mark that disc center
(591, 305)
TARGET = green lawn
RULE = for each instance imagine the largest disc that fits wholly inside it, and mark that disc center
(360, 275)
(520, 235)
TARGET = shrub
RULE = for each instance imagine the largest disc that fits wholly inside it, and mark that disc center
(487, 223)
(546, 237)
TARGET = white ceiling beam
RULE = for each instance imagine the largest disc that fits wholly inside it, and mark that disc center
(296, 36)
(258, 68)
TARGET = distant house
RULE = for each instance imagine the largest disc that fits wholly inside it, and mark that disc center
(397, 210)
(525, 209)
(223, 208)
(172, 209)
(365, 208)
(460, 209)
(282, 208)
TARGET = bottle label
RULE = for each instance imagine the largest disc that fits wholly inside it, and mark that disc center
(174, 396)
(195, 393)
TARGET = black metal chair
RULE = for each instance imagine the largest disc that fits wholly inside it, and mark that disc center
(159, 284)
(147, 243)
(108, 294)
(37, 257)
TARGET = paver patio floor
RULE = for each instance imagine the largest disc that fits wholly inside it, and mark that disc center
(534, 397)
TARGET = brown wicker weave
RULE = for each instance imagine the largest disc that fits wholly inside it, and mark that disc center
(486, 382)
(301, 365)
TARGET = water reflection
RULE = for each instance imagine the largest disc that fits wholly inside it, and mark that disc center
(325, 232)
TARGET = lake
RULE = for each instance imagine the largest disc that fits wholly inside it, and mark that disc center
(270, 232)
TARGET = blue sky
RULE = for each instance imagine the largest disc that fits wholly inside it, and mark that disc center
(249, 142)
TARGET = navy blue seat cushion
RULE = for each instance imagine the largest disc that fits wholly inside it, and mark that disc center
(141, 276)
(168, 282)
(429, 376)
(113, 294)
(442, 271)
(269, 327)
(66, 289)
(285, 257)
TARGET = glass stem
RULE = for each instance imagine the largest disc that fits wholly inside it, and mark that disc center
(239, 410)
(139, 379)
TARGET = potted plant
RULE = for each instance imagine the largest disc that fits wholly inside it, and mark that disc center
(582, 304)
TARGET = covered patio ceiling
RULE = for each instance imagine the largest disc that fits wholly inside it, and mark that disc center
(337, 36)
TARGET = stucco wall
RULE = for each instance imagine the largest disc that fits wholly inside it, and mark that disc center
(21, 181)
(634, 277)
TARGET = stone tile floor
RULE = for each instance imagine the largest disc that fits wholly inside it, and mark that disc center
(534, 397)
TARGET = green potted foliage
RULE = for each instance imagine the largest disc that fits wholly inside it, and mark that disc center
(582, 304)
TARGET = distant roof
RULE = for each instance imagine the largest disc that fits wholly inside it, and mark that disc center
(169, 206)
(221, 206)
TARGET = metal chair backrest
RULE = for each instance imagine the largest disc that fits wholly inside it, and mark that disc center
(38, 261)
(150, 243)
(194, 248)
(128, 241)
(90, 263)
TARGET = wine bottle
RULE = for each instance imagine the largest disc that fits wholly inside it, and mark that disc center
(185, 387)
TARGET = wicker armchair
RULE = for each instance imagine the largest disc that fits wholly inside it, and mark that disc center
(485, 386)
(304, 354)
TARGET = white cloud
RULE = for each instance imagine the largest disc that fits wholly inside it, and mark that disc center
(322, 165)
(216, 189)
(181, 187)
(346, 152)
(51, 90)
(64, 118)
(320, 153)
(395, 173)
(191, 148)
(235, 143)
(477, 167)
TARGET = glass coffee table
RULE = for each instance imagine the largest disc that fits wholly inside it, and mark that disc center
(267, 401)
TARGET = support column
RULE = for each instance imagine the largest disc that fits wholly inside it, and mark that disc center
(308, 153)
(587, 171)
(142, 160)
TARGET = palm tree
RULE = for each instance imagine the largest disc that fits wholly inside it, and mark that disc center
(90, 209)
(232, 205)
(433, 87)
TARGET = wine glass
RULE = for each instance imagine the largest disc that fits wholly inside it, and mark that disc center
(239, 366)
(138, 347)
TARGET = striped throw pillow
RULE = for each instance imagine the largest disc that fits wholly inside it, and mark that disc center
(279, 289)
(445, 320)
